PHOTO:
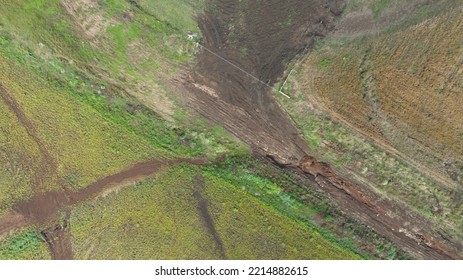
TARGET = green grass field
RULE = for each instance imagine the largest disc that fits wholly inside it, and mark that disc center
(83, 144)
(159, 218)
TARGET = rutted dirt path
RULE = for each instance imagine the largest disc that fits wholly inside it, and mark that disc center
(262, 38)
(49, 164)
(198, 187)
(43, 210)
(58, 239)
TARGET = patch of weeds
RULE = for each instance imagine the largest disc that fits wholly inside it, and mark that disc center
(391, 255)
(424, 11)
(24, 245)
(319, 43)
(324, 63)
(243, 51)
(378, 8)
(346, 58)
(314, 140)
(328, 218)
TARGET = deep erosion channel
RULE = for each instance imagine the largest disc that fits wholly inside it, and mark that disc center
(261, 38)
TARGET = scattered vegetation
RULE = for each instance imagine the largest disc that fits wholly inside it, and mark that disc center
(378, 7)
(26, 244)
(324, 62)
(164, 212)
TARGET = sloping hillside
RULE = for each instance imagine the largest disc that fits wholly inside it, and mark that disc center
(87, 120)
(381, 105)
(231, 129)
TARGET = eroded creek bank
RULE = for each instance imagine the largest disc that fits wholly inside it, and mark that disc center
(248, 46)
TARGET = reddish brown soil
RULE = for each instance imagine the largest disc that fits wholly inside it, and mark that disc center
(390, 218)
(262, 38)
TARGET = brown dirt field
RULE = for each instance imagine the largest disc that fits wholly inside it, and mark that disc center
(10, 222)
(415, 78)
(262, 39)
(403, 89)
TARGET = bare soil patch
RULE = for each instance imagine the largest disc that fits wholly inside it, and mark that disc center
(10, 222)
(89, 16)
(58, 239)
(260, 38)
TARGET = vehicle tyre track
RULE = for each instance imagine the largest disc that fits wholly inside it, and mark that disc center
(203, 203)
(43, 209)
(49, 166)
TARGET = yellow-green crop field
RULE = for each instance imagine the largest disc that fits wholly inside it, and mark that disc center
(160, 219)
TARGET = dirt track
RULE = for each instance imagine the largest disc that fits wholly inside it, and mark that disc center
(393, 220)
(48, 166)
(262, 39)
(198, 186)
(43, 209)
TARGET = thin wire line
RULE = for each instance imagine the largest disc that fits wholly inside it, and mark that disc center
(244, 71)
